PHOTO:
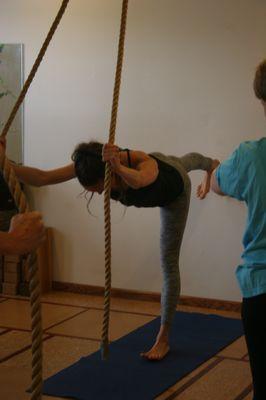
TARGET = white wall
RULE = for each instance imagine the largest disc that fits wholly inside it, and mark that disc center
(187, 86)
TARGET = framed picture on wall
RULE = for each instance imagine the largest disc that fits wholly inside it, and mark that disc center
(11, 81)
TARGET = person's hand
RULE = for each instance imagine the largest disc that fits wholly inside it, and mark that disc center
(111, 153)
(27, 232)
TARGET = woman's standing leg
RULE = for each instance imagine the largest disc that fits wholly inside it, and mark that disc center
(173, 222)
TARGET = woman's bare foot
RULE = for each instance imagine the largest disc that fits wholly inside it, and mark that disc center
(160, 347)
(204, 188)
(157, 352)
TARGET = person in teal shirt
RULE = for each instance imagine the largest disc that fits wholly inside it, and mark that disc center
(243, 177)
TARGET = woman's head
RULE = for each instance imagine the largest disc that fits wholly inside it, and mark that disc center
(89, 167)
(260, 81)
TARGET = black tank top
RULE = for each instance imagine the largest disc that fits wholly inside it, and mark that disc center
(163, 191)
(6, 199)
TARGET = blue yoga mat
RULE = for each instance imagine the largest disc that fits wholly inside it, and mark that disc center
(126, 376)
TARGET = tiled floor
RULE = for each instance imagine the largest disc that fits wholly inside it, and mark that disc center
(72, 326)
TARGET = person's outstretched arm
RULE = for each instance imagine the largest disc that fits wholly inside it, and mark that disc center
(37, 177)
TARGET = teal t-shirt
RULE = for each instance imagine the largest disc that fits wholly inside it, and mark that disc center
(243, 176)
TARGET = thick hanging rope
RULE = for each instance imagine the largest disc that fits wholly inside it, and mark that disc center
(107, 183)
(21, 203)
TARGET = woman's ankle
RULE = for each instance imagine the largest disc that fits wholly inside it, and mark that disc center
(163, 334)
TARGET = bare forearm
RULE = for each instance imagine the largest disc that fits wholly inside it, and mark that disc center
(37, 177)
(143, 172)
(132, 177)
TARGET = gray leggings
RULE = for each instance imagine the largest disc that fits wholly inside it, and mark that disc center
(173, 222)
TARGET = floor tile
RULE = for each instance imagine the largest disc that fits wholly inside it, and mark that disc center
(13, 383)
(16, 314)
(187, 379)
(21, 378)
(59, 353)
(224, 382)
(216, 379)
(13, 341)
(73, 299)
(229, 314)
(89, 325)
(142, 307)
(238, 349)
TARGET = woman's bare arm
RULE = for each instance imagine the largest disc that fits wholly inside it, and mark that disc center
(143, 171)
(37, 177)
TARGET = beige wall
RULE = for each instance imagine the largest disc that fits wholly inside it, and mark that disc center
(187, 86)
